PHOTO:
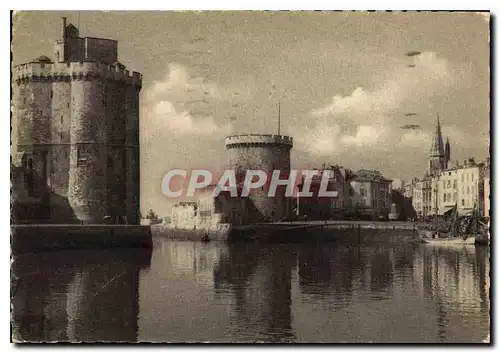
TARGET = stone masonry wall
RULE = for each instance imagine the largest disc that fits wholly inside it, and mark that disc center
(132, 162)
(60, 136)
(265, 157)
(87, 178)
(115, 131)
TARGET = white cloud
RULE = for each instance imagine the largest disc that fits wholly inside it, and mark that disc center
(180, 105)
(183, 123)
(365, 118)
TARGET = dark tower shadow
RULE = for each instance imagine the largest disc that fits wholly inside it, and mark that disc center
(79, 296)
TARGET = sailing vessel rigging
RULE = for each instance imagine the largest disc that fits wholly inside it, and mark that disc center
(456, 230)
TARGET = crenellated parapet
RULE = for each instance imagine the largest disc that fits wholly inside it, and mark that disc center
(82, 70)
(258, 140)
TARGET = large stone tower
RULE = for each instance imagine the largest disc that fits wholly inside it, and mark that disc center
(78, 128)
(266, 153)
(438, 156)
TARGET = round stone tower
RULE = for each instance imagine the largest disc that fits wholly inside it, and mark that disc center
(266, 153)
(78, 131)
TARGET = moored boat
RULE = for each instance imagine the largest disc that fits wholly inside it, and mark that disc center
(468, 230)
(470, 240)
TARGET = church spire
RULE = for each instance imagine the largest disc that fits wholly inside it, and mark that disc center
(437, 155)
(437, 146)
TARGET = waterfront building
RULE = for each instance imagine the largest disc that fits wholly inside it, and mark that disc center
(423, 193)
(224, 208)
(77, 142)
(462, 185)
(206, 210)
(444, 185)
(321, 207)
(486, 191)
(371, 193)
(417, 197)
(408, 188)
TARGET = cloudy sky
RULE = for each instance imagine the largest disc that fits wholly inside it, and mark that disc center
(343, 80)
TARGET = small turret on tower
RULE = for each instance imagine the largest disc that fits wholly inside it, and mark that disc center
(447, 153)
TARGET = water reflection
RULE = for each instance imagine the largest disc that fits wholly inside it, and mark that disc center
(260, 280)
(79, 296)
(327, 270)
(192, 292)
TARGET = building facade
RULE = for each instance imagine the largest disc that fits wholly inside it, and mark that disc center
(424, 188)
(443, 186)
(78, 128)
(371, 193)
(322, 207)
(209, 210)
(462, 185)
(487, 200)
(416, 197)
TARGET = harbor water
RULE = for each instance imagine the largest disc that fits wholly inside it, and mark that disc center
(183, 291)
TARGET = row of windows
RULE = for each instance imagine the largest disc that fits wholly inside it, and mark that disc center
(448, 197)
(468, 176)
(447, 184)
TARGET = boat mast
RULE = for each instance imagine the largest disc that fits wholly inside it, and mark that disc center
(436, 202)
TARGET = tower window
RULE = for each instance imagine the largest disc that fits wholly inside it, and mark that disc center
(61, 119)
(51, 93)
